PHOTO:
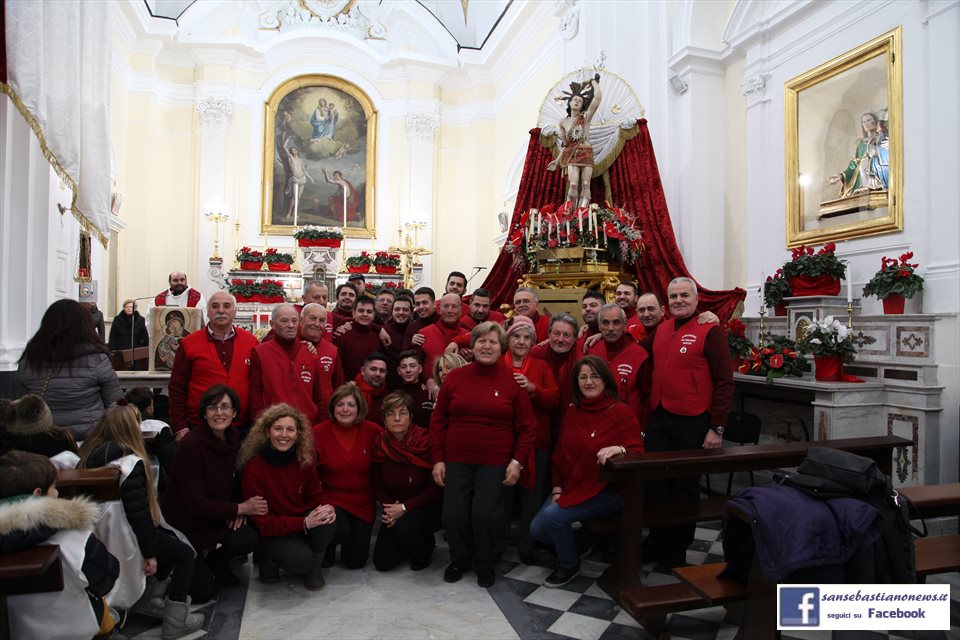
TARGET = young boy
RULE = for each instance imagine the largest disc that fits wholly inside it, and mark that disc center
(32, 514)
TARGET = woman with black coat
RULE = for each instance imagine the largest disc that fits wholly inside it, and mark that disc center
(129, 329)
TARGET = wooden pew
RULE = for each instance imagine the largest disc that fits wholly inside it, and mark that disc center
(101, 485)
(34, 570)
(634, 470)
(701, 587)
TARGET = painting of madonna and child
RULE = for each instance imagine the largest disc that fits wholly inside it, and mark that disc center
(319, 157)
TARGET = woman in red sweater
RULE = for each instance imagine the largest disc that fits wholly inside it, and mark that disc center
(534, 377)
(344, 446)
(596, 427)
(481, 435)
(276, 461)
(405, 488)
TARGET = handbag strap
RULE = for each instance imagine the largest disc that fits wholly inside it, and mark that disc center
(46, 383)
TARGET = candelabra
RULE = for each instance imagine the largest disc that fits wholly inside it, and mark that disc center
(216, 217)
(763, 313)
(410, 250)
(236, 243)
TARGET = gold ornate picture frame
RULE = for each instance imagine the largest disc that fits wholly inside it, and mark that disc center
(844, 145)
(319, 157)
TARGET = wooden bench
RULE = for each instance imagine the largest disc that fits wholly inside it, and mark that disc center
(34, 570)
(101, 485)
(634, 470)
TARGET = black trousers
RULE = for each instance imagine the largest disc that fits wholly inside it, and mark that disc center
(531, 500)
(174, 559)
(353, 537)
(234, 544)
(474, 513)
(410, 536)
(295, 553)
(671, 432)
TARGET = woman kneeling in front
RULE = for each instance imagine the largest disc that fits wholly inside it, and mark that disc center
(277, 463)
(595, 428)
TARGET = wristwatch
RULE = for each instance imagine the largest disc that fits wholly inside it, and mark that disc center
(516, 462)
(718, 429)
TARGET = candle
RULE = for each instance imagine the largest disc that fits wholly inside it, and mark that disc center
(549, 230)
(344, 205)
(568, 231)
(580, 221)
(849, 286)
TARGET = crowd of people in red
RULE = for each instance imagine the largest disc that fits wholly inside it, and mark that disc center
(388, 416)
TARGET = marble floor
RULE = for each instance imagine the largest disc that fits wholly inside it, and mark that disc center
(406, 605)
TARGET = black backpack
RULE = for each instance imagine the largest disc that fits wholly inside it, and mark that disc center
(832, 473)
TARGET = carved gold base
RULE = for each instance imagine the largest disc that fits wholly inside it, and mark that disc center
(604, 281)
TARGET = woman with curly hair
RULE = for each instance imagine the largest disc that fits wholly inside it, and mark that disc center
(276, 462)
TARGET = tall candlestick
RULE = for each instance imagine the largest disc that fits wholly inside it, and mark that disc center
(344, 207)
(849, 285)
(568, 231)
(580, 221)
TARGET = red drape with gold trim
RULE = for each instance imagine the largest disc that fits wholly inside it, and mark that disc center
(635, 185)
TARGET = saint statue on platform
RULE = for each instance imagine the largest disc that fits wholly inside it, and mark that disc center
(869, 169)
(576, 155)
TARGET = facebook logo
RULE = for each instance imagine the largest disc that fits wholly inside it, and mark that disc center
(799, 607)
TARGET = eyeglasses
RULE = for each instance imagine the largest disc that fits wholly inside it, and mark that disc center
(401, 413)
(593, 377)
(224, 407)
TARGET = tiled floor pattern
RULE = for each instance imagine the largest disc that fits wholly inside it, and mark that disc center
(580, 610)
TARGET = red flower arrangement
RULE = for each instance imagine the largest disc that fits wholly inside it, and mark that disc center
(813, 273)
(737, 339)
(895, 278)
(776, 360)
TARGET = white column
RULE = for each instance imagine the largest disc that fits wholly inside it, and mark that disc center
(762, 229)
(417, 191)
(699, 155)
(214, 116)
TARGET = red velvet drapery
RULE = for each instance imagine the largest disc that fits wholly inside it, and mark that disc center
(635, 185)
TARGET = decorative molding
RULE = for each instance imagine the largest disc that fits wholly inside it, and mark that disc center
(336, 15)
(215, 113)
(421, 127)
(569, 14)
(755, 84)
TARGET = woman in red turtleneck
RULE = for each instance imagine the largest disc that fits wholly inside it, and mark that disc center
(481, 435)
(534, 377)
(595, 428)
(344, 463)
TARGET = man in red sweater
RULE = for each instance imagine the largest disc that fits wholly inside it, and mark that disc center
(384, 304)
(410, 370)
(480, 310)
(313, 331)
(590, 312)
(526, 302)
(560, 356)
(346, 299)
(437, 336)
(424, 306)
(626, 298)
(283, 370)
(360, 340)
(372, 381)
(220, 354)
(625, 359)
(690, 400)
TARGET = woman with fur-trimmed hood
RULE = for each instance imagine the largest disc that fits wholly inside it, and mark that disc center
(32, 514)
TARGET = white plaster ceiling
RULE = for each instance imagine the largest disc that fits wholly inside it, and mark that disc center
(469, 22)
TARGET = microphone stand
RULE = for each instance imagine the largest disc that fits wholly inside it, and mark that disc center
(133, 329)
(476, 270)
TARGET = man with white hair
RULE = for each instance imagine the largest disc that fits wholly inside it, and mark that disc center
(627, 360)
(313, 333)
(690, 399)
(284, 370)
(218, 354)
(526, 302)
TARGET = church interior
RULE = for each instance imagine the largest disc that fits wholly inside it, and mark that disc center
(142, 138)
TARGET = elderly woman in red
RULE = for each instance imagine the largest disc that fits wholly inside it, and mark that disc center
(481, 438)
(596, 427)
(276, 462)
(344, 446)
(404, 485)
(535, 377)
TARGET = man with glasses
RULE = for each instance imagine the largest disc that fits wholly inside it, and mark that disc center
(526, 302)
(220, 354)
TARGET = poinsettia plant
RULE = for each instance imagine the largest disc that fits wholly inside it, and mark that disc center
(272, 256)
(313, 232)
(362, 260)
(737, 339)
(828, 337)
(385, 259)
(246, 254)
(804, 261)
(776, 359)
(898, 277)
(775, 289)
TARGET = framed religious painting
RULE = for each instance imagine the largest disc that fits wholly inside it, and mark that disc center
(319, 157)
(844, 146)
(167, 327)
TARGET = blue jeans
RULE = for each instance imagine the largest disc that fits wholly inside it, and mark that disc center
(552, 523)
